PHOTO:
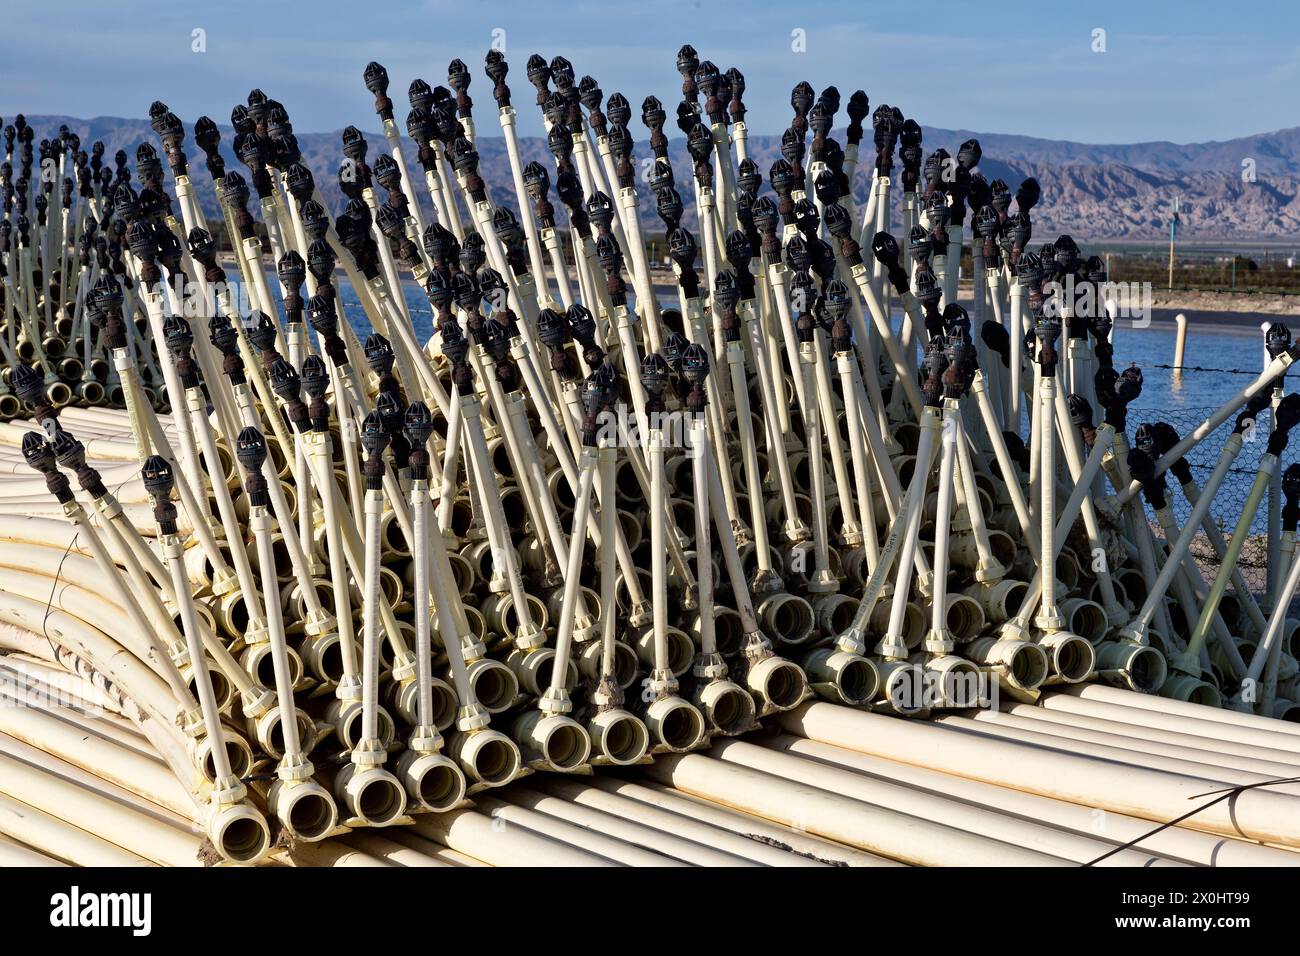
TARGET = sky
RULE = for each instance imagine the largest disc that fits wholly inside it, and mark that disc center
(1096, 72)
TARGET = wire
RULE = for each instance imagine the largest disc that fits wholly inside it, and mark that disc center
(49, 604)
(1204, 368)
(1227, 794)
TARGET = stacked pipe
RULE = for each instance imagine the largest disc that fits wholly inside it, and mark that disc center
(57, 238)
(358, 579)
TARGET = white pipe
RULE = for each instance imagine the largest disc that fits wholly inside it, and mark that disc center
(475, 834)
(929, 806)
(1152, 794)
(900, 835)
(680, 813)
(1175, 842)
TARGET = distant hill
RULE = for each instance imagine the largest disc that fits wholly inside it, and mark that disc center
(1090, 191)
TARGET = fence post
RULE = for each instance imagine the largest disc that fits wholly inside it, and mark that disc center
(1180, 344)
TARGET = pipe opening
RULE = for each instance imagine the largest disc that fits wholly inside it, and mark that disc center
(1067, 569)
(841, 616)
(626, 665)
(501, 462)
(1147, 670)
(312, 815)
(633, 529)
(441, 786)
(1088, 620)
(903, 690)
(394, 540)
(391, 585)
(243, 840)
(566, 746)
(732, 711)
(625, 740)
(857, 681)
(91, 392)
(274, 734)
(801, 471)
(444, 704)
(791, 620)
(681, 728)
(1028, 666)
(59, 394)
(961, 685)
(222, 689)
(626, 483)
(1003, 548)
(495, 686)
(514, 507)
(785, 685)
(728, 632)
(462, 572)
(264, 671)
(462, 518)
(351, 729)
(496, 762)
(330, 661)
(914, 626)
(237, 616)
(237, 754)
(544, 671)
(1074, 659)
(681, 651)
(380, 800)
(1135, 587)
(1287, 710)
(963, 618)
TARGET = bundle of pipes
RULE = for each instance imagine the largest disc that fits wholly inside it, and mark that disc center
(1067, 784)
(57, 239)
(432, 574)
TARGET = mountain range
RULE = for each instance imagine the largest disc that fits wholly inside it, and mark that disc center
(1245, 189)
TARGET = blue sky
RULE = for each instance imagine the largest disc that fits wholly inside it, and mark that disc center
(1183, 71)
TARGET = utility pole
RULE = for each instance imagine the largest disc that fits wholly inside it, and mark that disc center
(1173, 232)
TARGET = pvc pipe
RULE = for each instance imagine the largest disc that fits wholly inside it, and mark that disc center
(1201, 720)
(13, 854)
(142, 775)
(680, 838)
(680, 813)
(390, 851)
(1140, 755)
(905, 837)
(954, 813)
(544, 815)
(49, 833)
(127, 827)
(1069, 721)
(1176, 843)
(1188, 748)
(475, 834)
(1152, 794)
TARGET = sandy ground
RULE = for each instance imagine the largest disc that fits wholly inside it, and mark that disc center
(1253, 304)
